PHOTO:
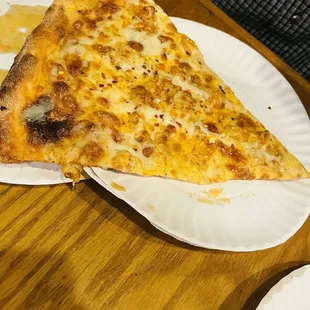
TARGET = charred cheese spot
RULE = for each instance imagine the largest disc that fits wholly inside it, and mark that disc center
(47, 131)
(108, 119)
(136, 46)
(148, 151)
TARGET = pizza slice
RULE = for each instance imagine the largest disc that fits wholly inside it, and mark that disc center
(113, 84)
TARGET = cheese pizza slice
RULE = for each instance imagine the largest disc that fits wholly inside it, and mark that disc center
(112, 84)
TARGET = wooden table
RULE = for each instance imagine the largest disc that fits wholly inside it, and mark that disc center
(85, 249)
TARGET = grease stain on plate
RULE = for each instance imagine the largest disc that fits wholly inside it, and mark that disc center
(16, 24)
(118, 187)
(212, 196)
(151, 207)
(206, 200)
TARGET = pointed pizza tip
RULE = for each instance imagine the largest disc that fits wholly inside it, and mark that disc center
(113, 84)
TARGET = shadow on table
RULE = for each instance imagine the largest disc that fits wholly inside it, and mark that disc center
(138, 219)
(233, 300)
(31, 280)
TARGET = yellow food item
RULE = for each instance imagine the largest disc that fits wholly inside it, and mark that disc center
(113, 84)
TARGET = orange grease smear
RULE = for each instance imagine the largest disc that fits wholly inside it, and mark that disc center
(16, 24)
(118, 187)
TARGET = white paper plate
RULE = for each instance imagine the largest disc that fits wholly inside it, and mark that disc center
(28, 173)
(261, 214)
(291, 293)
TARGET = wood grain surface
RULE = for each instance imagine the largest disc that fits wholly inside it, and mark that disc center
(85, 249)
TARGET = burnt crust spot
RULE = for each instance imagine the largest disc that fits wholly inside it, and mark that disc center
(47, 131)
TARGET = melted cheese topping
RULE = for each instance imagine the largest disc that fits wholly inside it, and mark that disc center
(138, 97)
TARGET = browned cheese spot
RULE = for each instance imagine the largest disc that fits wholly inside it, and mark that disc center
(195, 79)
(176, 71)
(92, 151)
(231, 152)
(208, 78)
(148, 151)
(77, 25)
(61, 88)
(102, 50)
(170, 129)
(212, 127)
(142, 136)
(108, 119)
(185, 66)
(177, 147)
(91, 24)
(69, 104)
(75, 67)
(242, 173)
(116, 136)
(134, 118)
(136, 46)
(164, 39)
(146, 13)
(245, 121)
(104, 102)
(109, 7)
(141, 95)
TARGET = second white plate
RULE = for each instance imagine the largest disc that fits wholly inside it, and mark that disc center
(236, 215)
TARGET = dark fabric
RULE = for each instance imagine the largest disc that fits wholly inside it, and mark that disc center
(282, 25)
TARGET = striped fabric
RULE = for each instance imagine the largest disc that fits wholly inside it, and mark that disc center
(282, 25)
